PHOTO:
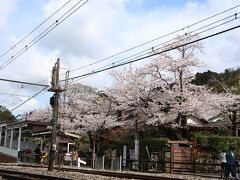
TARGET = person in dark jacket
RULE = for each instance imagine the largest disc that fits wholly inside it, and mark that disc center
(231, 163)
(37, 154)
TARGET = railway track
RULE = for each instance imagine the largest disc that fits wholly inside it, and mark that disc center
(124, 175)
(16, 175)
(121, 174)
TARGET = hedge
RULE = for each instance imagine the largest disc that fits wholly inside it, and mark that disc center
(153, 145)
(215, 144)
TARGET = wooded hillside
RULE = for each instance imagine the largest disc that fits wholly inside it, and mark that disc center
(229, 80)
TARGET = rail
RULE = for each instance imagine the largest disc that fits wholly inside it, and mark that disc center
(11, 174)
(17, 175)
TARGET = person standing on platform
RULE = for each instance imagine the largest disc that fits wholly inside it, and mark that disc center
(231, 163)
(37, 154)
(28, 152)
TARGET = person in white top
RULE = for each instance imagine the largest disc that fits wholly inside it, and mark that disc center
(223, 161)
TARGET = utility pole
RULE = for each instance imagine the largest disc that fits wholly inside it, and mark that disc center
(55, 87)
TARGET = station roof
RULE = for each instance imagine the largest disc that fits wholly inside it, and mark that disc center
(33, 125)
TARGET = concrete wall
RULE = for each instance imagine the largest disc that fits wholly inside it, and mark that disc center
(8, 151)
(7, 159)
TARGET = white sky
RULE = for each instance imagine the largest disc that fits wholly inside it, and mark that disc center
(97, 30)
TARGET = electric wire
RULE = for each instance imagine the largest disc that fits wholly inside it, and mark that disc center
(157, 37)
(44, 33)
(28, 99)
(23, 82)
(154, 54)
(140, 55)
(86, 75)
(9, 94)
(138, 59)
(152, 47)
(172, 42)
(149, 49)
(64, 18)
(160, 37)
(21, 40)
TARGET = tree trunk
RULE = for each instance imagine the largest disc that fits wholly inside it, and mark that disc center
(94, 149)
(181, 81)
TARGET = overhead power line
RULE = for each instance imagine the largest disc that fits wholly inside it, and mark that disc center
(165, 44)
(139, 53)
(8, 94)
(146, 51)
(28, 99)
(154, 54)
(157, 38)
(65, 16)
(21, 40)
(23, 82)
(94, 72)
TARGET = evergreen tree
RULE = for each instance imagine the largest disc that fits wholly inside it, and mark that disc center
(6, 115)
(228, 81)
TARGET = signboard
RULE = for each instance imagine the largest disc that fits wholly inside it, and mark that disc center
(131, 154)
(67, 157)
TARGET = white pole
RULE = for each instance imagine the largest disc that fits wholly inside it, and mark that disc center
(11, 139)
(103, 163)
(5, 139)
(19, 138)
(68, 148)
(78, 163)
(41, 144)
(120, 163)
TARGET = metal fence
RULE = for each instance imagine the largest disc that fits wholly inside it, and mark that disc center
(116, 163)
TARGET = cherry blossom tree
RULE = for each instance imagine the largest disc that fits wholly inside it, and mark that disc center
(85, 109)
(82, 109)
(132, 91)
(229, 105)
(44, 115)
(163, 85)
(174, 73)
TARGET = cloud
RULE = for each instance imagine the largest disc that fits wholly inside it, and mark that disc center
(102, 28)
(6, 8)
(105, 27)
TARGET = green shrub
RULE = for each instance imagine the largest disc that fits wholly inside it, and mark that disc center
(215, 144)
(153, 145)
